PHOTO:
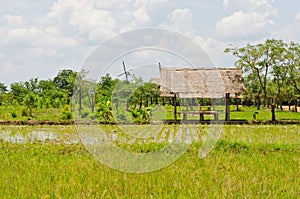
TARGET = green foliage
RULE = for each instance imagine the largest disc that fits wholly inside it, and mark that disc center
(84, 114)
(24, 112)
(13, 114)
(66, 114)
(65, 80)
(104, 112)
(3, 88)
(141, 115)
(271, 70)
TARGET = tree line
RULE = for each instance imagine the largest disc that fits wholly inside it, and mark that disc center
(90, 99)
(271, 72)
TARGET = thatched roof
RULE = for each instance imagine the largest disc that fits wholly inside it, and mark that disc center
(200, 82)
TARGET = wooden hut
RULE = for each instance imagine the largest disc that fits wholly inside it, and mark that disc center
(201, 83)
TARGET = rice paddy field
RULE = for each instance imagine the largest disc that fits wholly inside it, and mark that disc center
(247, 161)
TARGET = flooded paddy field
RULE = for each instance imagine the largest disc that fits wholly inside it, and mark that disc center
(247, 161)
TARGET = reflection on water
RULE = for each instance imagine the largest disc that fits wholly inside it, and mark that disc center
(38, 136)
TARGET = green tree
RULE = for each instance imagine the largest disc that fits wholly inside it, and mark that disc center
(292, 62)
(3, 88)
(259, 60)
(18, 90)
(65, 80)
(30, 101)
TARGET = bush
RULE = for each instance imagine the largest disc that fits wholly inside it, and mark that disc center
(141, 115)
(84, 114)
(24, 112)
(13, 114)
(66, 114)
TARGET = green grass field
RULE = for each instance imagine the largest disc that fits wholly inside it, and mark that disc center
(244, 113)
(258, 161)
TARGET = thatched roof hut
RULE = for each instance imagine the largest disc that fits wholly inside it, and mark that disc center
(200, 82)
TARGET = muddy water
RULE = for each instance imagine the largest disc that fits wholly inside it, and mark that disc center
(68, 135)
(45, 134)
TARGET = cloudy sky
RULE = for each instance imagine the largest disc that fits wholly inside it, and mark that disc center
(39, 38)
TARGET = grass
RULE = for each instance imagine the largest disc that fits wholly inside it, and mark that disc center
(261, 161)
(244, 113)
(42, 114)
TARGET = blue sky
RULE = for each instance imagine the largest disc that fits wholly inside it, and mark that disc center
(39, 38)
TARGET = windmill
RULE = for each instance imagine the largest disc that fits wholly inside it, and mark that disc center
(126, 72)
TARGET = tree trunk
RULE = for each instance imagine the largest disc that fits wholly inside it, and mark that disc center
(147, 101)
(273, 112)
(80, 100)
(237, 103)
(141, 102)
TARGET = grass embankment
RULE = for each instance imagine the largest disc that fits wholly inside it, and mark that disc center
(55, 115)
(248, 162)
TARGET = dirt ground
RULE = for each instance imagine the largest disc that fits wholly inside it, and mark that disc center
(287, 108)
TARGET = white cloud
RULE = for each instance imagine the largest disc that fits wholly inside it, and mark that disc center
(14, 21)
(249, 5)
(84, 17)
(251, 19)
(141, 3)
(142, 16)
(34, 36)
(240, 25)
(297, 17)
(181, 16)
(180, 20)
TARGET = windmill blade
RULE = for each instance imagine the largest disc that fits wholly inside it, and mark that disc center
(126, 72)
(124, 67)
(121, 74)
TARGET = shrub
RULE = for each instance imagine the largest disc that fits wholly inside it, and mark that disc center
(66, 114)
(24, 112)
(13, 113)
(84, 114)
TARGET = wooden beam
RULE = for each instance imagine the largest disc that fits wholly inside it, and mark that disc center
(175, 108)
(227, 104)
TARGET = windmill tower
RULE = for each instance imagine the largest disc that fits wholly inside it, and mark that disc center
(126, 72)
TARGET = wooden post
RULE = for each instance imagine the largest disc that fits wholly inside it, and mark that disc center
(186, 108)
(237, 102)
(175, 108)
(213, 101)
(227, 104)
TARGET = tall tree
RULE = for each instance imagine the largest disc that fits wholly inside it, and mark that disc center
(292, 62)
(65, 80)
(258, 60)
(18, 90)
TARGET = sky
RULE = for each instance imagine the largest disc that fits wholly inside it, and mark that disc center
(40, 38)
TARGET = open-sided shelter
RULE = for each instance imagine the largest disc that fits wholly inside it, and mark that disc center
(201, 83)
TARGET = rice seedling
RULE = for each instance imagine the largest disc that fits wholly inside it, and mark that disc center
(247, 162)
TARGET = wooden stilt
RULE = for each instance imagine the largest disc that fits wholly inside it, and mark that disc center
(227, 104)
(175, 108)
